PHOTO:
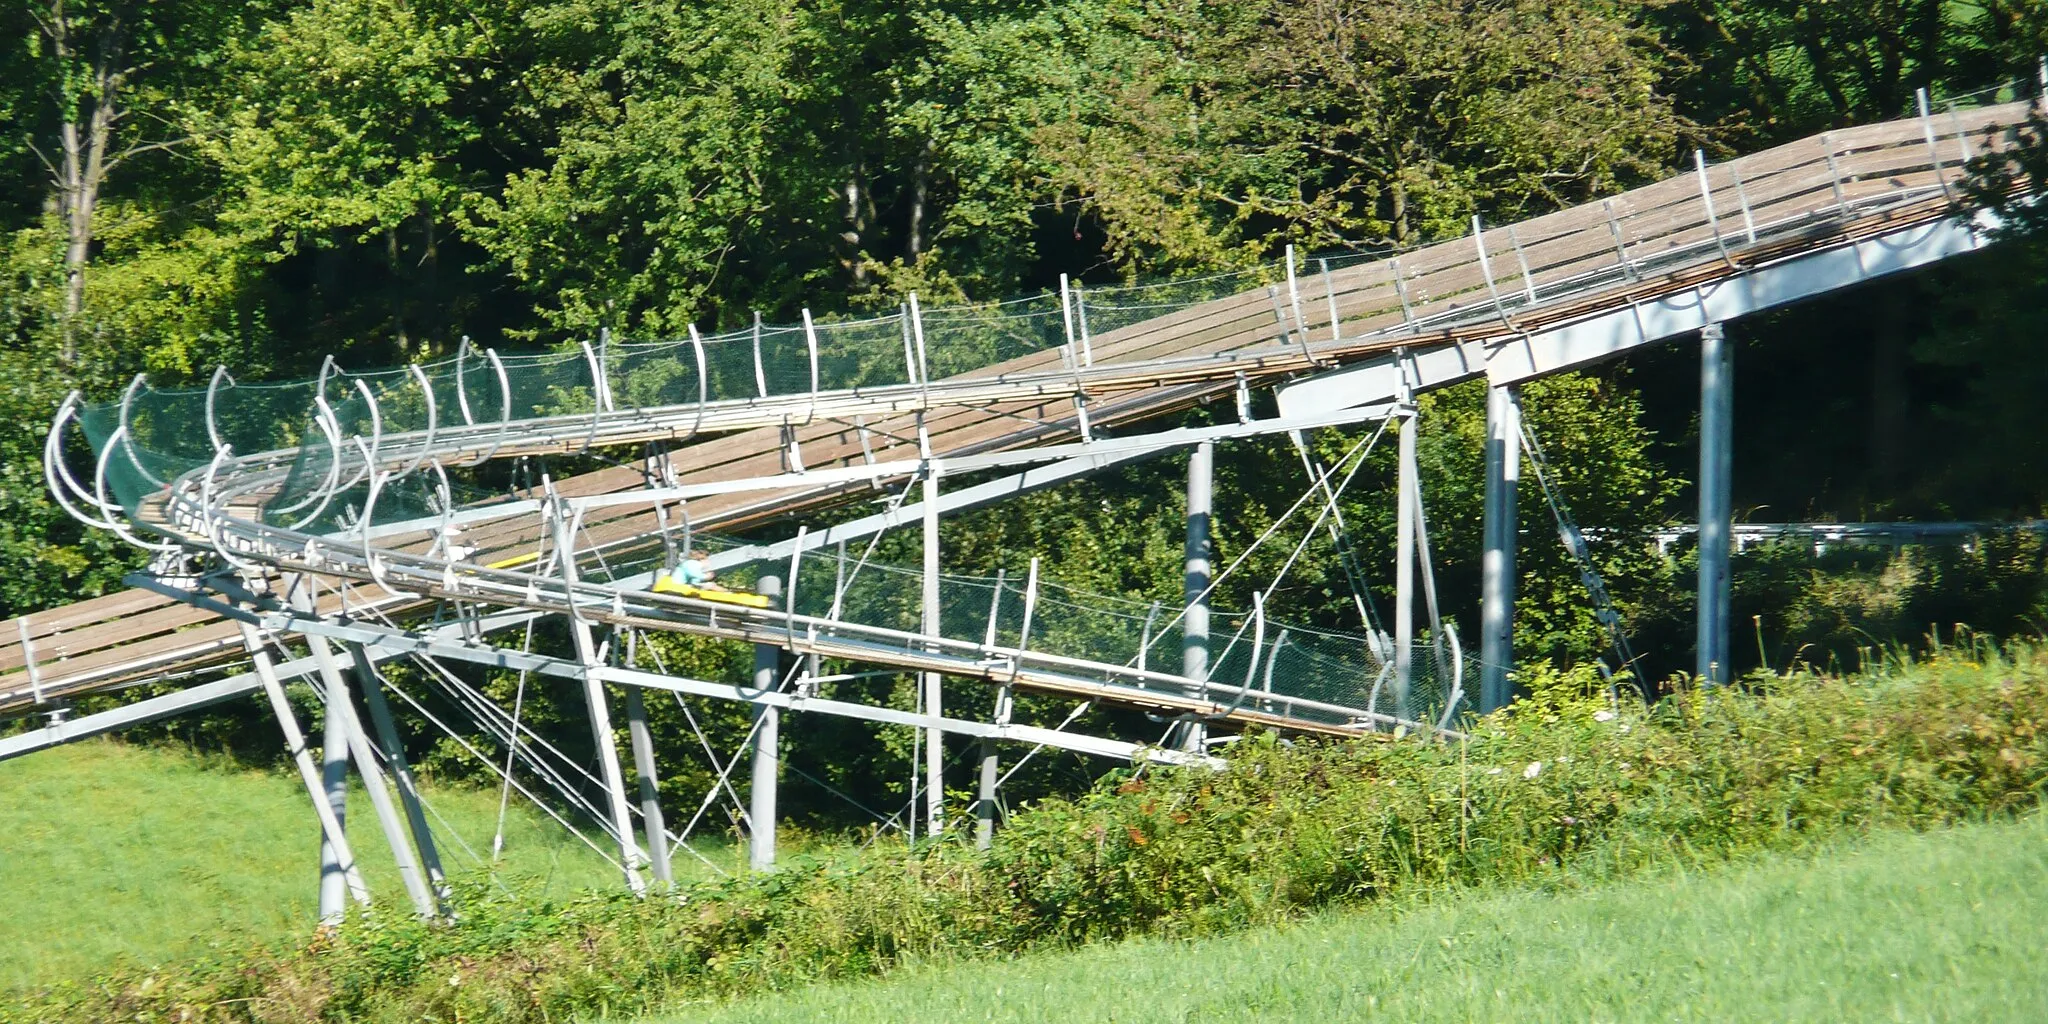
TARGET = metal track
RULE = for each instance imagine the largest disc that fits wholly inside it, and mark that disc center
(1696, 228)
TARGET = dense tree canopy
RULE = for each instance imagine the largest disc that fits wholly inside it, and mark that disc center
(263, 184)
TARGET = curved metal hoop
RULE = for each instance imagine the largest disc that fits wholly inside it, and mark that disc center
(57, 474)
(324, 494)
(811, 342)
(461, 389)
(377, 482)
(703, 382)
(220, 373)
(433, 419)
(128, 436)
(213, 520)
(1251, 669)
(504, 407)
(99, 484)
(1457, 689)
(376, 436)
(600, 394)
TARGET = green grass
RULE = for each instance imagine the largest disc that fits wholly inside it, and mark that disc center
(1949, 925)
(110, 851)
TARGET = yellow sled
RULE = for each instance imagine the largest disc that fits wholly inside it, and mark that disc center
(666, 584)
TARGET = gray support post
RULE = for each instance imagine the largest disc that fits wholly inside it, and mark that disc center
(335, 866)
(1404, 564)
(1194, 651)
(985, 797)
(341, 708)
(295, 745)
(1497, 563)
(606, 741)
(767, 746)
(650, 785)
(1717, 389)
(934, 740)
(394, 755)
(985, 805)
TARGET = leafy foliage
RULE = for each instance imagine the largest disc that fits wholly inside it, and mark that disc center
(1564, 785)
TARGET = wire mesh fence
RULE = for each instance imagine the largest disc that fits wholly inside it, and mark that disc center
(1344, 670)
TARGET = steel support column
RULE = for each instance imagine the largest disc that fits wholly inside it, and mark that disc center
(651, 818)
(341, 708)
(1194, 652)
(606, 741)
(334, 784)
(934, 697)
(1717, 391)
(295, 745)
(401, 771)
(1497, 563)
(985, 803)
(767, 746)
(1409, 486)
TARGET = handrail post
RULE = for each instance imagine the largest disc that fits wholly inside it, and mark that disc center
(1628, 269)
(1486, 270)
(1933, 150)
(924, 366)
(760, 369)
(1294, 300)
(1075, 360)
(1081, 320)
(811, 342)
(1742, 199)
(1030, 606)
(1699, 164)
(1522, 261)
(1330, 294)
(995, 605)
(462, 387)
(212, 390)
(1827, 144)
(1401, 291)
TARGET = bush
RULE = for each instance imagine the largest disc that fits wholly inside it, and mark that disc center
(1557, 790)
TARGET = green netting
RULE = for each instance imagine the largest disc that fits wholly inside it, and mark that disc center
(1318, 664)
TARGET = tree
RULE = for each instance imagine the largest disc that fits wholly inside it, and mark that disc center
(1194, 135)
(1781, 69)
(111, 72)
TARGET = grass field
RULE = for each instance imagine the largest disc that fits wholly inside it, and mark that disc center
(1937, 927)
(111, 851)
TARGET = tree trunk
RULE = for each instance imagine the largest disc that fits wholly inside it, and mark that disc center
(920, 189)
(856, 226)
(86, 132)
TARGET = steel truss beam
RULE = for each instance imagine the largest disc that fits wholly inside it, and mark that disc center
(1609, 334)
(1069, 461)
(1092, 458)
(388, 643)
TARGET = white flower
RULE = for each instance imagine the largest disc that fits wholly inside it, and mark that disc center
(1603, 715)
(1535, 768)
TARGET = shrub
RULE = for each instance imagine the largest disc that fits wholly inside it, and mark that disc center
(1557, 790)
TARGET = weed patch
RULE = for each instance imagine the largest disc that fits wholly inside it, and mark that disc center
(1559, 791)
